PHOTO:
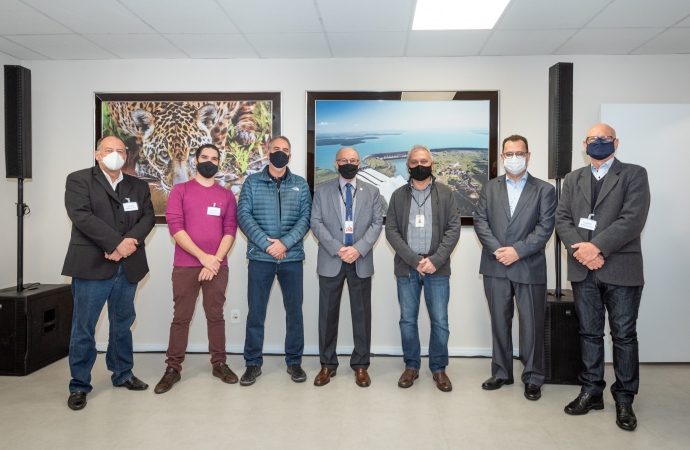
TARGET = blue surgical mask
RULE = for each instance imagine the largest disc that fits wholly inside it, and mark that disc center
(600, 150)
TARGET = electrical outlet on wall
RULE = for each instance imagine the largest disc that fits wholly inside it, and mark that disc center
(235, 316)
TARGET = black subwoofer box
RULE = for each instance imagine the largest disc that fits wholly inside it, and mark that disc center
(562, 340)
(35, 327)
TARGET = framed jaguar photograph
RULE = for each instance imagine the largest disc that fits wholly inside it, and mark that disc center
(162, 132)
(459, 127)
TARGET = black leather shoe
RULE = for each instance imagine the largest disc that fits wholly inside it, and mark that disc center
(625, 417)
(584, 403)
(250, 375)
(532, 392)
(494, 383)
(77, 400)
(296, 373)
(134, 384)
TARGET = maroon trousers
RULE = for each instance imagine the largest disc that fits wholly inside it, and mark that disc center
(186, 284)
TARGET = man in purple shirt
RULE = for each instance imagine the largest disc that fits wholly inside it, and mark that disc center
(202, 218)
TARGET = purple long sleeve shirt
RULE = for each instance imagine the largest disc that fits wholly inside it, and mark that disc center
(187, 210)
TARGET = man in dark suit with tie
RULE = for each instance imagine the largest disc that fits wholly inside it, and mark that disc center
(600, 217)
(514, 219)
(346, 218)
(111, 215)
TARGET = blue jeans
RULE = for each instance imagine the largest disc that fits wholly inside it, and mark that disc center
(436, 294)
(592, 299)
(261, 277)
(89, 298)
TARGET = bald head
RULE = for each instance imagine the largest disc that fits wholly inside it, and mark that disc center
(601, 129)
(347, 152)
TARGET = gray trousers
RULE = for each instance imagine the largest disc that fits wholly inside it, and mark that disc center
(531, 304)
(330, 291)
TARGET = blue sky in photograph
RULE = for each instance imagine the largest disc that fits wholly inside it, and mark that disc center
(366, 116)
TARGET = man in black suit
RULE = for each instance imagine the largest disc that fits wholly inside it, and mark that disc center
(514, 220)
(600, 217)
(111, 215)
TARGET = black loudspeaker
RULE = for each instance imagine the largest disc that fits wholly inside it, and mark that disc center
(17, 122)
(560, 120)
(35, 327)
(562, 340)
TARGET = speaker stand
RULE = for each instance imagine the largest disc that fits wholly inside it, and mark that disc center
(558, 292)
(22, 210)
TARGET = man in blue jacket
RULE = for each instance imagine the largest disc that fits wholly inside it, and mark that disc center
(273, 212)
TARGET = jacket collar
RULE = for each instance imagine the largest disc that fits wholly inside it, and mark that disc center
(266, 176)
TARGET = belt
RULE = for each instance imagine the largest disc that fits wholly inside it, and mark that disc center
(423, 255)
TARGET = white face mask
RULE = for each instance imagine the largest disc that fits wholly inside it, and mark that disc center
(113, 161)
(515, 165)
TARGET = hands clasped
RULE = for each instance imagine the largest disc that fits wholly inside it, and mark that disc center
(348, 254)
(277, 249)
(588, 255)
(507, 255)
(126, 248)
(425, 267)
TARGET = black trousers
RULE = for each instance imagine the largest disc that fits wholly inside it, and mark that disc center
(330, 292)
(531, 304)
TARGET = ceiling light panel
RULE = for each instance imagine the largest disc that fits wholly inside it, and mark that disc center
(457, 14)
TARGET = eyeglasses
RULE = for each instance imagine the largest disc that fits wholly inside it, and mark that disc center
(604, 139)
(518, 154)
(347, 161)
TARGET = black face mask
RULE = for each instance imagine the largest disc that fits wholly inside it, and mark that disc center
(420, 173)
(207, 169)
(348, 171)
(279, 159)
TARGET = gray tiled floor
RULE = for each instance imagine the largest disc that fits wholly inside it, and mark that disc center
(201, 412)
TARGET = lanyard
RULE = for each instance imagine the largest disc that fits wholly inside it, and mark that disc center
(415, 198)
(342, 197)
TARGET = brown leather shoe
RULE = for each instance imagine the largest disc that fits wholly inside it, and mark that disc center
(443, 382)
(323, 377)
(407, 378)
(223, 372)
(362, 378)
(166, 383)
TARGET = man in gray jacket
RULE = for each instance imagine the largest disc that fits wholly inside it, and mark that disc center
(346, 218)
(514, 220)
(423, 227)
(600, 217)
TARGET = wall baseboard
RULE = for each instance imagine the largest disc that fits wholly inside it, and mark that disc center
(309, 350)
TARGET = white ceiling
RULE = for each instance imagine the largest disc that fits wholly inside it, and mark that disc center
(213, 29)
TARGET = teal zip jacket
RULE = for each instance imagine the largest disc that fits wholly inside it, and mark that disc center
(265, 212)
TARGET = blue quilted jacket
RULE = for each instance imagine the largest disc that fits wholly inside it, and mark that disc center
(264, 212)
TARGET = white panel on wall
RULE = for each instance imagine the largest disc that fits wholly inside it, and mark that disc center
(655, 137)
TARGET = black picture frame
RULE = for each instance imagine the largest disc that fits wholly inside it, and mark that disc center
(491, 96)
(100, 97)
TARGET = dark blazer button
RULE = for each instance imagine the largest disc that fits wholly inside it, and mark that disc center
(117, 206)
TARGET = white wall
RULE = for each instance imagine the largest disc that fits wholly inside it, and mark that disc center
(63, 141)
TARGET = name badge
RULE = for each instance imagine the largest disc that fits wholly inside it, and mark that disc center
(213, 210)
(588, 223)
(349, 227)
(419, 221)
(130, 206)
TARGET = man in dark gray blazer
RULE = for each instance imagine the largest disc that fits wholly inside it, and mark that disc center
(514, 220)
(111, 216)
(346, 218)
(423, 227)
(600, 217)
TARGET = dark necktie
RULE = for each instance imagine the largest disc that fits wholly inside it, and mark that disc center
(348, 212)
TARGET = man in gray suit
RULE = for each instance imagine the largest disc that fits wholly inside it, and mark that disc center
(600, 217)
(514, 220)
(346, 218)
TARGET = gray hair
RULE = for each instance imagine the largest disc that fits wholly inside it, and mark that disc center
(274, 138)
(100, 141)
(417, 148)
